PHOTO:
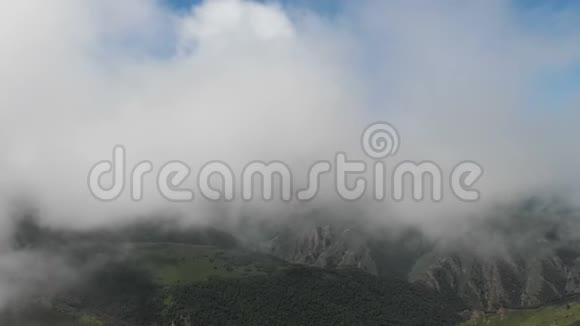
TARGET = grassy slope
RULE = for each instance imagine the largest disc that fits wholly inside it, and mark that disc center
(561, 315)
(169, 265)
(174, 264)
(161, 282)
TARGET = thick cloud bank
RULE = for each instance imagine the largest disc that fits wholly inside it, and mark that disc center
(239, 81)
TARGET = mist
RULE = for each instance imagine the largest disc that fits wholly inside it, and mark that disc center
(239, 81)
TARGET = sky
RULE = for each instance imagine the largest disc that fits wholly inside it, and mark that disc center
(324, 7)
(553, 87)
(495, 82)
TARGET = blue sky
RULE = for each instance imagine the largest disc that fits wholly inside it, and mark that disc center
(553, 87)
(326, 6)
(560, 85)
(321, 6)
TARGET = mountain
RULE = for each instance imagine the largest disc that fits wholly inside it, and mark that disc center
(513, 266)
(526, 256)
(163, 276)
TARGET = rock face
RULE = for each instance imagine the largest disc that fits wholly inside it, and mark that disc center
(535, 268)
(323, 246)
(516, 281)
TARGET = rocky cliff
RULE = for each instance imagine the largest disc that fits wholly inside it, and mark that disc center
(520, 261)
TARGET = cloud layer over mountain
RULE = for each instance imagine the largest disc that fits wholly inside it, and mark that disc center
(238, 81)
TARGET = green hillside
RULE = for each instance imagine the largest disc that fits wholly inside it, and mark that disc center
(567, 314)
(158, 283)
(173, 264)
